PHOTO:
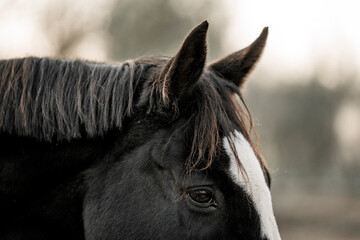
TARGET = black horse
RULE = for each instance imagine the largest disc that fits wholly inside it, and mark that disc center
(155, 148)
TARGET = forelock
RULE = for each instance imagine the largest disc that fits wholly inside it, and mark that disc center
(217, 109)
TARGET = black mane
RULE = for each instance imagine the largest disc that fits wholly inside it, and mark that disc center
(54, 100)
(60, 99)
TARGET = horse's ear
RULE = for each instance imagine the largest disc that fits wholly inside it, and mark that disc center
(185, 68)
(235, 67)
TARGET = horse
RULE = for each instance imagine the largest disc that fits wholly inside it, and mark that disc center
(151, 148)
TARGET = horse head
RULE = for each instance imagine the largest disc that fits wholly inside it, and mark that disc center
(186, 168)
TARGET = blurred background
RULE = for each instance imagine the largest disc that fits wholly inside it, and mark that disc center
(304, 94)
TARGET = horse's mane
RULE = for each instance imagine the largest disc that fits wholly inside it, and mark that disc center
(60, 99)
(53, 99)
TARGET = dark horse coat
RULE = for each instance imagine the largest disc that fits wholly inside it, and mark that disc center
(154, 148)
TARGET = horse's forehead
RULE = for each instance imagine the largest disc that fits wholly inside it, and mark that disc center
(254, 184)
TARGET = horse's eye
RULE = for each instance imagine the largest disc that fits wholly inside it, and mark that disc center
(202, 197)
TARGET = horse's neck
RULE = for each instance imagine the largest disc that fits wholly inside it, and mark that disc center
(29, 167)
(41, 187)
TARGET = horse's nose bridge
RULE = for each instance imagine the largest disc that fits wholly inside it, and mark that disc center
(253, 183)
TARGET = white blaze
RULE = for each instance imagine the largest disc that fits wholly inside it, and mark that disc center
(255, 186)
